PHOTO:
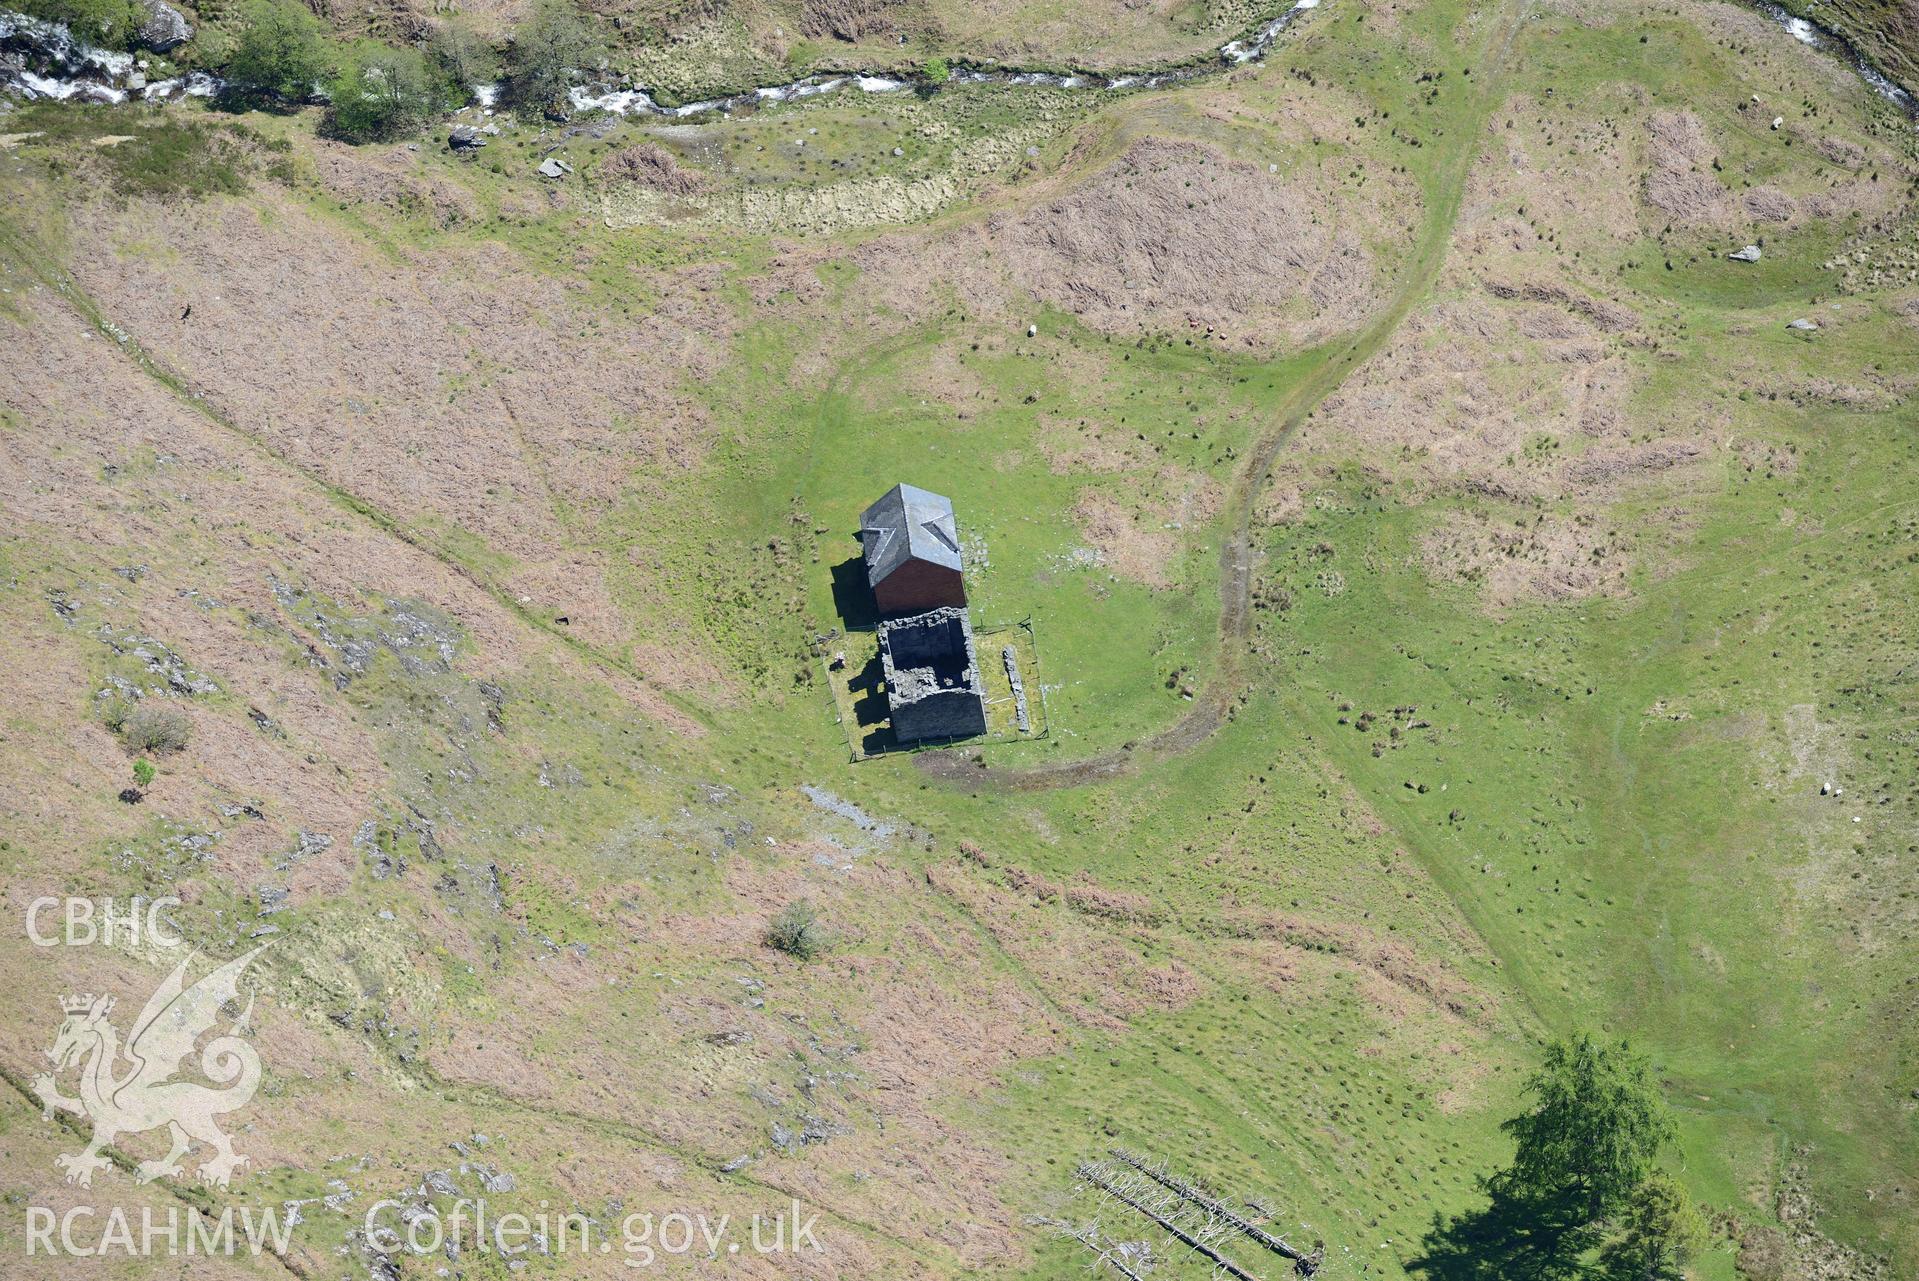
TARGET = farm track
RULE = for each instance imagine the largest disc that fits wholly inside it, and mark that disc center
(1214, 706)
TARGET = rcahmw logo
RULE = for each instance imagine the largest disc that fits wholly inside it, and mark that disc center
(133, 1085)
(131, 1088)
(84, 1232)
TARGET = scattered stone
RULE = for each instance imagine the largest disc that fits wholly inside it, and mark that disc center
(305, 847)
(825, 800)
(554, 167)
(1777, 121)
(1749, 254)
(1809, 326)
(495, 1181)
(464, 138)
(159, 659)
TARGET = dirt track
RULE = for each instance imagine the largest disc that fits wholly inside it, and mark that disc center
(1214, 704)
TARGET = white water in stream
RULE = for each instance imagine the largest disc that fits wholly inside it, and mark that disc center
(637, 102)
(71, 70)
(40, 59)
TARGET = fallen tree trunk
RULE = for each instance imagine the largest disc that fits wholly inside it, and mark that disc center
(1277, 1245)
(1111, 1189)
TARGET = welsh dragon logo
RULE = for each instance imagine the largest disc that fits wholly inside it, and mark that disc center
(130, 1089)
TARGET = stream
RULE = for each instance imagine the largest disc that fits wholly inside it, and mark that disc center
(1250, 48)
(43, 60)
(1819, 38)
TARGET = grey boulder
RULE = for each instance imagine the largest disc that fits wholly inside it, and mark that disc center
(164, 27)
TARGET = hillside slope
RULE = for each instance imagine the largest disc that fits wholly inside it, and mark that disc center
(1466, 612)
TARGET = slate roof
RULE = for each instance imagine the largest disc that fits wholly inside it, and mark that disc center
(908, 524)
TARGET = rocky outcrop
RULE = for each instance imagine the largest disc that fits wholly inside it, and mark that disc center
(164, 28)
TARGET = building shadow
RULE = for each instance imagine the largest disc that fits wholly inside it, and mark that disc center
(869, 693)
(870, 710)
(853, 598)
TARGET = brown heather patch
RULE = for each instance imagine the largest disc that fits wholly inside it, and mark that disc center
(1176, 237)
(458, 393)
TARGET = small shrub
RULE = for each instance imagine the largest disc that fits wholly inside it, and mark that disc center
(555, 42)
(148, 728)
(143, 772)
(279, 56)
(114, 714)
(797, 931)
(381, 93)
(938, 70)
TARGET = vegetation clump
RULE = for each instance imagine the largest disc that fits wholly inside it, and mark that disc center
(380, 93)
(280, 56)
(555, 42)
(110, 24)
(150, 728)
(848, 20)
(183, 158)
(650, 165)
(462, 57)
(797, 931)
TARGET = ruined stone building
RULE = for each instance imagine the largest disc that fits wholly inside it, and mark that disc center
(932, 676)
(910, 540)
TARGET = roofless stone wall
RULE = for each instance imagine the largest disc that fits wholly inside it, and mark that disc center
(932, 676)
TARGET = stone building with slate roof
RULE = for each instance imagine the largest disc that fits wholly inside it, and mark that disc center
(911, 544)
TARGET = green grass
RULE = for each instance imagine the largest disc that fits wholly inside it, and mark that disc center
(1653, 874)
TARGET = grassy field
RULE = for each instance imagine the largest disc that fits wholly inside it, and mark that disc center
(1487, 618)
